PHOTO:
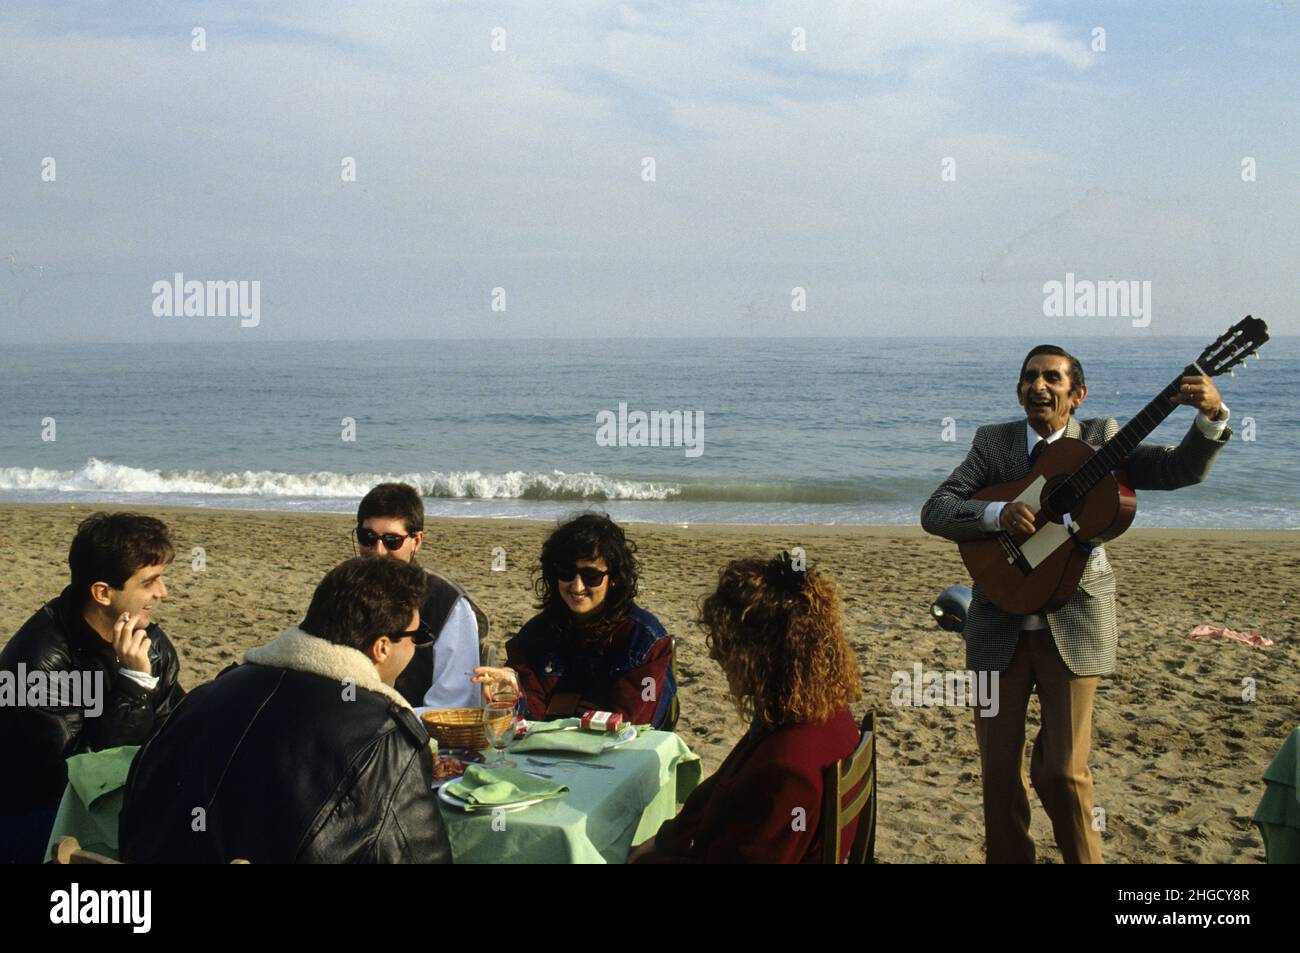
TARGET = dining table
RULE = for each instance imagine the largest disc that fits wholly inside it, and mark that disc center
(615, 800)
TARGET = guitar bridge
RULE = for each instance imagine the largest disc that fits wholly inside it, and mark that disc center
(1014, 555)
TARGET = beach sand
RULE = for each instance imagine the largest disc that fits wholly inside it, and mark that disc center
(1177, 757)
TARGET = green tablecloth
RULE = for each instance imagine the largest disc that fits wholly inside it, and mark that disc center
(93, 799)
(604, 814)
(1278, 815)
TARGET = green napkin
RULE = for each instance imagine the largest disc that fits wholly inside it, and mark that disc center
(536, 727)
(93, 774)
(551, 736)
(501, 787)
(93, 800)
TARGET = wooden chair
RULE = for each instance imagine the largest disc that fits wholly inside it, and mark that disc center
(68, 851)
(674, 706)
(855, 776)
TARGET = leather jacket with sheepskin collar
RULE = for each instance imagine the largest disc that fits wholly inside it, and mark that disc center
(299, 755)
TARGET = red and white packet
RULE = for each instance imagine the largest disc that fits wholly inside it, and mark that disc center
(607, 721)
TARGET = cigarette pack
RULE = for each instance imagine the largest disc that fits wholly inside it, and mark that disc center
(609, 721)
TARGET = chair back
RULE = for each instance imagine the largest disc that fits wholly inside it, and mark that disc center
(669, 722)
(854, 778)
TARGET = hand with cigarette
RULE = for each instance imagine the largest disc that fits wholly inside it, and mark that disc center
(496, 680)
(131, 645)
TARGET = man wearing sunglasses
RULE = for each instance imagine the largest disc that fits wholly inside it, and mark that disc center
(304, 753)
(390, 522)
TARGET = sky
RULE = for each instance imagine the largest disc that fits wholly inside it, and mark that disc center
(912, 167)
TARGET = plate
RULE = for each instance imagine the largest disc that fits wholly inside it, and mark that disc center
(439, 782)
(463, 805)
(625, 734)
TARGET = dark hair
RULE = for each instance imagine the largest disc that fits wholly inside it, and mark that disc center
(112, 547)
(588, 536)
(364, 598)
(1076, 369)
(393, 501)
(781, 641)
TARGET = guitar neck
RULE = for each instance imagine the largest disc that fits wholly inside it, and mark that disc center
(1117, 449)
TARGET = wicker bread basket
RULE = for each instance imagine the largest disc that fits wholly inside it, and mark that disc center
(456, 728)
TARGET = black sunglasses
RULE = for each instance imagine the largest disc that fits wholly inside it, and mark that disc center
(367, 538)
(421, 636)
(591, 576)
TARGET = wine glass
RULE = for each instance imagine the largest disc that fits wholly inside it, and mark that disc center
(499, 725)
(507, 694)
(500, 690)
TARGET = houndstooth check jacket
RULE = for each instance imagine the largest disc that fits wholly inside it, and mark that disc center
(1084, 628)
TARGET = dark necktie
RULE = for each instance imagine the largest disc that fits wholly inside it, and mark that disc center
(1035, 453)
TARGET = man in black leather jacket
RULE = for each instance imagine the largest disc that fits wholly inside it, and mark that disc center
(305, 753)
(90, 670)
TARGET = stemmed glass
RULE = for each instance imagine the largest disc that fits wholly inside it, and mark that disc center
(500, 682)
(499, 725)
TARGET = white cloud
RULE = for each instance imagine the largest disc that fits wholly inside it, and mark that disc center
(474, 165)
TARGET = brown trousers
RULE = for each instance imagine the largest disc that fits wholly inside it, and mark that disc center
(1058, 766)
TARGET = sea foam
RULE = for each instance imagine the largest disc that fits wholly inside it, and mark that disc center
(104, 476)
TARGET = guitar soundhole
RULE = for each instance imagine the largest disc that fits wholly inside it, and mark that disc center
(1057, 499)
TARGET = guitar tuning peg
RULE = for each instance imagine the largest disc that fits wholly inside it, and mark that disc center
(1232, 373)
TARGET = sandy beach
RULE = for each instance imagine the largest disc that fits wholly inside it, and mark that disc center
(1177, 753)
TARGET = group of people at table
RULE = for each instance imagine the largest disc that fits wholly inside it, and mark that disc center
(310, 751)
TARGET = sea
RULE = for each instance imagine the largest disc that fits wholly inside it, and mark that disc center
(756, 431)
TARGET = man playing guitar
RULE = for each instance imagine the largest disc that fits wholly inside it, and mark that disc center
(1061, 652)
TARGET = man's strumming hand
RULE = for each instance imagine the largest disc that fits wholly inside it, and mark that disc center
(1017, 517)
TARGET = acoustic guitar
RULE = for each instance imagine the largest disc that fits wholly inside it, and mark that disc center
(1079, 495)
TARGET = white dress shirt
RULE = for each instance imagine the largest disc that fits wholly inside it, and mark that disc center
(455, 656)
(141, 678)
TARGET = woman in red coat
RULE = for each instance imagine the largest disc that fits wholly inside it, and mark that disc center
(778, 634)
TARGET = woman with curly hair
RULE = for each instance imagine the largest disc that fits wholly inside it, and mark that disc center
(591, 647)
(777, 632)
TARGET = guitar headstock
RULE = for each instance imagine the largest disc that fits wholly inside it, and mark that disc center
(1241, 340)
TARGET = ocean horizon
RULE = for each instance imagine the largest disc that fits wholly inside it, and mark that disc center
(684, 430)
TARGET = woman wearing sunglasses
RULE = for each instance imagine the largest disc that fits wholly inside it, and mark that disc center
(591, 647)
